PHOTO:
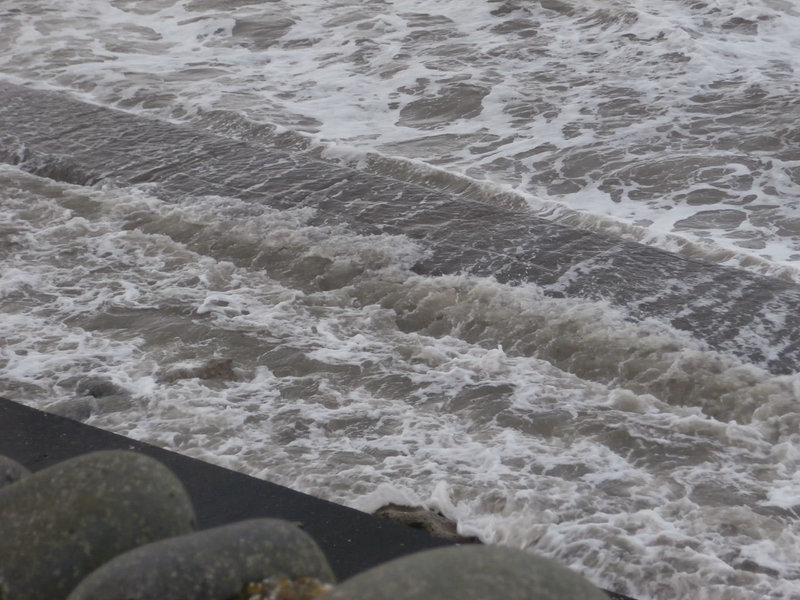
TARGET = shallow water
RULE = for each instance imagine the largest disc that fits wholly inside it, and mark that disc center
(664, 122)
(589, 415)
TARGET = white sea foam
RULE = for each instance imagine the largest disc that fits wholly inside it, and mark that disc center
(624, 449)
(663, 122)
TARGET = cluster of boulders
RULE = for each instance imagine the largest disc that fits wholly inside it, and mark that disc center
(118, 525)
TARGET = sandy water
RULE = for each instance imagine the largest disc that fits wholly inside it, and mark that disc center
(623, 447)
(666, 122)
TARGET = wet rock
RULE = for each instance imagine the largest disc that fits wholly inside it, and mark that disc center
(98, 387)
(61, 523)
(468, 573)
(435, 524)
(83, 407)
(11, 471)
(95, 395)
(214, 564)
(216, 368)
(77, 409)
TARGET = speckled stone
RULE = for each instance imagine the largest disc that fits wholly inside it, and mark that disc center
(61, 523)
(11, 471)
(282, 588)
(468, 573)
(213, 564)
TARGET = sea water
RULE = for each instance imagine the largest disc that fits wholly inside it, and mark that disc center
(624, 447)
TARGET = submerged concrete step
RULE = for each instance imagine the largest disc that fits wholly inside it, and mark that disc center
(736, 311)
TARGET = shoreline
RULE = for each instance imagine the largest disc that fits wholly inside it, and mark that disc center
(352, 540)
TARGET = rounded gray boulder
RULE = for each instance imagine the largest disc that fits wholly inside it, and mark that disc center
(468, 573)
(61, 523)
(214, 564)
(11, 471)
